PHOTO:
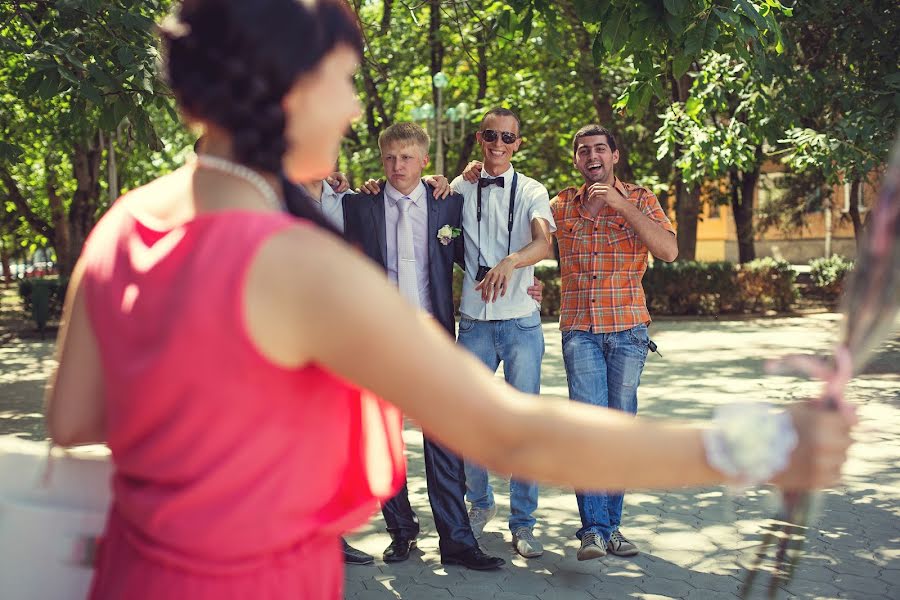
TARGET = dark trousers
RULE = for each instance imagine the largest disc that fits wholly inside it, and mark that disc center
(446, 476)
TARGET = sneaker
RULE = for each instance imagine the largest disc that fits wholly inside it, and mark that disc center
(479, 517)
(620, 546)
(592, 546)
(526, 545)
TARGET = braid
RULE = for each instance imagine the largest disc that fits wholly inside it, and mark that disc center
(214, 74)
(232, 62)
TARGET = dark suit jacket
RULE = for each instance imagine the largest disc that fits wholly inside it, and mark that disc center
(364, 226)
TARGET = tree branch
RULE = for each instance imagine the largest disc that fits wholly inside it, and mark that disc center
(25, 211)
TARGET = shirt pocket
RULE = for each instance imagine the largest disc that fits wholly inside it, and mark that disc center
(568, 231)
(620, 234)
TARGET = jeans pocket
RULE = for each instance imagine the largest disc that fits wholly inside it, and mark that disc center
(466, 325)
(532, 321)
(639, 337)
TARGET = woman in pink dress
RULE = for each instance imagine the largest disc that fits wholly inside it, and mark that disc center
(221, 348)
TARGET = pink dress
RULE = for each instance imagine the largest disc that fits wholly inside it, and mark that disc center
(234, 477)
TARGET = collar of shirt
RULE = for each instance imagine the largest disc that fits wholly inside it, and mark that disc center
(506, 175)
(393, 195)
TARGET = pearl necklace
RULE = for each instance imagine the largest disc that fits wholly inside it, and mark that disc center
(241, 172)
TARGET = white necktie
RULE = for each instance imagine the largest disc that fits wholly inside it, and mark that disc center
(406, 254)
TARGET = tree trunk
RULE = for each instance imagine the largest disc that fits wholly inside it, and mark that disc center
(4, 264)
(687, 197)
(468, 143)
(86, 159)
(743, 186)
(687, 210)
(436, 48)
(855, 188)
(590, 76)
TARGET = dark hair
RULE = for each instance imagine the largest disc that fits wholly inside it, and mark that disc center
(499, 111)
(593, 129)
(232, 62)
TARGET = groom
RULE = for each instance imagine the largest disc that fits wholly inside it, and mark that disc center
(414, 238)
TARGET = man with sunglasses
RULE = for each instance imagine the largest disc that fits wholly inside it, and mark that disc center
(506, 223)
(605, 229)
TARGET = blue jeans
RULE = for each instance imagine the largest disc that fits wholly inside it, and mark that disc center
(604, 369)
(519, 343)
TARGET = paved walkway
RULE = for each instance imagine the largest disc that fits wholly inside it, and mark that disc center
(694, 542)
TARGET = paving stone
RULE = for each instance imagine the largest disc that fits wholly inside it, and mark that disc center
(715, 583)
(860, 584)
(376, 595)
(475, 591)
(514, 596)
(659, 585)
(704, 594)
(426, 592)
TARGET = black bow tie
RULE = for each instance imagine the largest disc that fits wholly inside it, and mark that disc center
(486, 181)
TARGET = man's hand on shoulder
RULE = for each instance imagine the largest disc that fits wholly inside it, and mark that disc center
(371, 187)
(440, 184)
(472, 171)
(338, 182)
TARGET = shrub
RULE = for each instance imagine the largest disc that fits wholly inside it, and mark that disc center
(766, 283)
(549, 276)
(828, 275)
(689, 287)
(704, 288)
(55, 295)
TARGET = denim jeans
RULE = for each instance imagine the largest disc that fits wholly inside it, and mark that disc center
(604, 369)
(519, 344)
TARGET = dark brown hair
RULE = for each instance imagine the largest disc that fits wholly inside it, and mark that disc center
(594, 129)
(232, 62)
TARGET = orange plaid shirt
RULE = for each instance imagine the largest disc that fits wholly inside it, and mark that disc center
(602, 261)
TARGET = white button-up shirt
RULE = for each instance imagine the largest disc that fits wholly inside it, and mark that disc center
(532, 202)
(330, 205)
(418, 215)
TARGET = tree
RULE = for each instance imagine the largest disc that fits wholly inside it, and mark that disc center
(722, 128)
(79, 82)
(664, 40)
(840, 71)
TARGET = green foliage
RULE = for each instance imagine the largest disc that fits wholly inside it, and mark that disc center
(728, 115)
(828, 275)
(841, 80)
(78, 83)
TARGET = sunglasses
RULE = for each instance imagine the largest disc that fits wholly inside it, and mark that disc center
(508, 137)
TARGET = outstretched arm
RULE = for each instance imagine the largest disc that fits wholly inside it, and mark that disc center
(381, 344)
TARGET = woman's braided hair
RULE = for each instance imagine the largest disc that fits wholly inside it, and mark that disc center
(232, 62)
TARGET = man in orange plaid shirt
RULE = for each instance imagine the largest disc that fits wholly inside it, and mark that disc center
(605, 229)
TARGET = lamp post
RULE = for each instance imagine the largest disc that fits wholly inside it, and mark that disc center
(448, 126)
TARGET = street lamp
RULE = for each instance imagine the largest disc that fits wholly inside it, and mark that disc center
(448, 125)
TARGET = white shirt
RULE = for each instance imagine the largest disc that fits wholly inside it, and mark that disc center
(532, 202)
(330, 205)
(418, 214)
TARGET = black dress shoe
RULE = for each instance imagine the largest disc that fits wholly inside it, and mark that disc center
(473, 558)
(353, 556)
(399, 550)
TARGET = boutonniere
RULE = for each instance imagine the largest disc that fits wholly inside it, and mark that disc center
(447, 234)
